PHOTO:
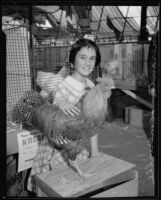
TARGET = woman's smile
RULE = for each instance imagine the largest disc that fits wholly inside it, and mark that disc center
(84, 62)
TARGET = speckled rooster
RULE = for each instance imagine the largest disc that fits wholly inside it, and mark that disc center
(65, 132)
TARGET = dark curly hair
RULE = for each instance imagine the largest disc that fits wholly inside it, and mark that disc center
(84, 43)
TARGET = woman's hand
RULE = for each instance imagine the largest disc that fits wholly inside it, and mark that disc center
(68, 108)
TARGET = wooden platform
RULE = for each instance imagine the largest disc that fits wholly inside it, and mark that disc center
(110, 172)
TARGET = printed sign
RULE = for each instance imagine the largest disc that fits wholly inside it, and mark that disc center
(27, 146)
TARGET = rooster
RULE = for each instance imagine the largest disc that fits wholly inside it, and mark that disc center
(66, 133)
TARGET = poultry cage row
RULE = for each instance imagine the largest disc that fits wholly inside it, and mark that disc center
(23, 62)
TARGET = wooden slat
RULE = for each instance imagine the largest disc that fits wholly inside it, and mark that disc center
(141, 100)
(127, 189)
(108, 170)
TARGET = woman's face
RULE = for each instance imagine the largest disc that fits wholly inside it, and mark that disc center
(85, 61)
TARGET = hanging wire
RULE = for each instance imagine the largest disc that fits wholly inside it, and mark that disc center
(53, 11)
(59, 27)
(155, 30)
(121, 35)
(99, 68)
(76, 33)
(126, 20)
(99, 23)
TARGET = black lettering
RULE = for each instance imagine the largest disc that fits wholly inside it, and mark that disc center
(39, 138)
(30, 140)
(35, 139)
(24, 142)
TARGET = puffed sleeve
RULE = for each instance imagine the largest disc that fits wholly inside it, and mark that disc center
(48, 81)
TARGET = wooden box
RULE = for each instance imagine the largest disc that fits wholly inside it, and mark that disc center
(110, 173)
(125, 189)
(137, 117)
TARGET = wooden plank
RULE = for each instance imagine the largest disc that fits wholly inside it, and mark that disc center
(141, 100)
(40, 193)
(108, 170)
(125, 85)
(127, 189)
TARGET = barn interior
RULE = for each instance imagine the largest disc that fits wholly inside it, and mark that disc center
(39, 38)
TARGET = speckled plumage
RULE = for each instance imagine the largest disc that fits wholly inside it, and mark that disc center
(22, 111)
(54, 123)
(60, 128)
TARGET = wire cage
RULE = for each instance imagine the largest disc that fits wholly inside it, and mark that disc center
(17, 64)
(30, 51)
(48, 57)
(23, 63)
(32, 47)
(132, 61)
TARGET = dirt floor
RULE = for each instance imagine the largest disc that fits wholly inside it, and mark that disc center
(130, 144)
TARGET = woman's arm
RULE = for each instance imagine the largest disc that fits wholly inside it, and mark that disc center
(61, 100)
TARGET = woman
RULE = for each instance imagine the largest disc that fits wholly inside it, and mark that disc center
(84, 57)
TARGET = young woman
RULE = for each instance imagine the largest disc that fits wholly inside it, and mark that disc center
(84, 57)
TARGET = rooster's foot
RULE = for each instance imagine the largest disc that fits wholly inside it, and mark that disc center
(85, 176)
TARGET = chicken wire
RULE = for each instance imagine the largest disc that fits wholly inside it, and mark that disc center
(17, 65)
(46, 57)
(51, 58)
(133, 63)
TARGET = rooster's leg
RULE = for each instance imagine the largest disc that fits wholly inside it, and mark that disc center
(79, 171)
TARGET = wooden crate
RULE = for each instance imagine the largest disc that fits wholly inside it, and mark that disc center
(64, 182)
(137, 117)
(126, 189)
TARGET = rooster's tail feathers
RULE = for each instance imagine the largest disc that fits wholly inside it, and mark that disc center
(21, 112)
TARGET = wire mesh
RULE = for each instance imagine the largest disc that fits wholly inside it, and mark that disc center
(132, 59)
(49, 58)
(50, 55)
(17, 65)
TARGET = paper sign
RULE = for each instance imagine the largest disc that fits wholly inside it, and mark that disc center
(27, 146)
